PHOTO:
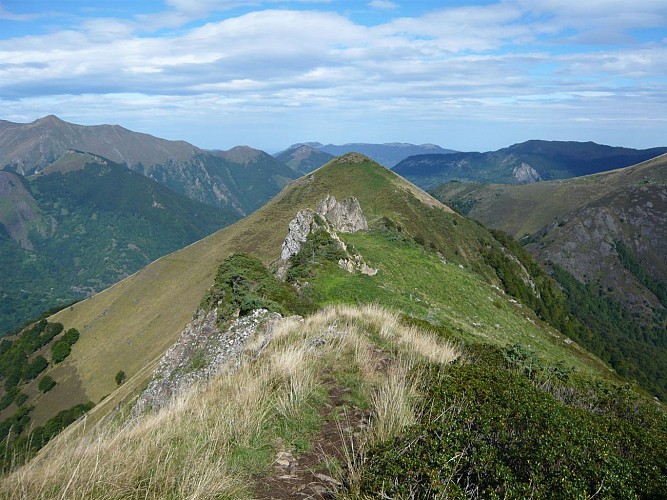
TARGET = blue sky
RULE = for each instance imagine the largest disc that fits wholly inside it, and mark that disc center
(474, 75)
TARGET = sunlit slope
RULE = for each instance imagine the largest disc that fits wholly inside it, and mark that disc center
(133, 322)
(433, 268)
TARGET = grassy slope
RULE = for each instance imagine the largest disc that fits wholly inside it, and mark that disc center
(416, 282)
(521, 210)
(137, 319)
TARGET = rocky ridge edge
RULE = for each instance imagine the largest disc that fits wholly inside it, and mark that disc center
(204, 350)
(332, 216)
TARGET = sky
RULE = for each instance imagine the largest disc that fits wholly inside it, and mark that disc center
(470, 76)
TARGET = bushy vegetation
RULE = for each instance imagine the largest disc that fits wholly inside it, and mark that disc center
(243, 284)
(16, 447)
(19, 365)
(120, 377)
(59, 351)
(318, 249)
(487, 431)
(46, 383)
(15, 354)
(632, 264)
(633, 349)
(523, 278)
(34, 368)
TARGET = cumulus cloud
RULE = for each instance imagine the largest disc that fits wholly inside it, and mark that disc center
(519, 61)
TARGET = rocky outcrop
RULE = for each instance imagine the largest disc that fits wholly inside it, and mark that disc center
(204, 350)
(525, 174)
(332, 216)
(299, 229)
(345, 217)
(356, 263)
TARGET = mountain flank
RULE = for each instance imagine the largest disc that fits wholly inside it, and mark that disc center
(524, 163)
(241, 179)
(304, 158)
(604, 236)
(81, 225)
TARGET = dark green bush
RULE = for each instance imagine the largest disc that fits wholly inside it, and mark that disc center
(37, 366)
(21, 448)
(21, 398)
(49, 332)
(243, 284)
(318, 249)
(8, 398)
(487, 431)
(46, 383)
(120, 377)
(71, 336)
(59, 351)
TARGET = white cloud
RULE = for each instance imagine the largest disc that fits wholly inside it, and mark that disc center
(514, 61)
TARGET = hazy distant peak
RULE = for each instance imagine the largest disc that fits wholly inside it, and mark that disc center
(240, 154)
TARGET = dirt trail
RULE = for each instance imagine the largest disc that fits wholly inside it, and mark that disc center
(306, 475)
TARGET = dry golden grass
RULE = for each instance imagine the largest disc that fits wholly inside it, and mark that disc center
(190, 448)
(392, 405)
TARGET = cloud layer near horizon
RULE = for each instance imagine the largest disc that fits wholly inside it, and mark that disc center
(467, 77)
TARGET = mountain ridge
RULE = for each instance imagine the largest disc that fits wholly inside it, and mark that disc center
(441, 288)
(526, 162)
(211, 177)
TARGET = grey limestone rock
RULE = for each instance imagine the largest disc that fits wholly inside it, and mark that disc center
(345, 216)
(331, 215)
(204, 350)
(525, 174)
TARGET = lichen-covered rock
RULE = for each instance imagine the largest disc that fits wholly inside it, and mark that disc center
(345, 216)
(525, 174)
(356, 263)
(331, 216)
(202, 351)
(299, 229)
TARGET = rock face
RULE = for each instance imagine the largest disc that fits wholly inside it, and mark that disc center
(332, 216)
(525, 174)
(299, 229)
(202, 351)
(346, 216)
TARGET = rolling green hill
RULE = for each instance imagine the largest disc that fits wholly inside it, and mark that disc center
(528, 162)
(83, 224)
(370, 369)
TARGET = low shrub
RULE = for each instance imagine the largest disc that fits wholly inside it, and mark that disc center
(488, 431)
(59, 351)
(46, 383)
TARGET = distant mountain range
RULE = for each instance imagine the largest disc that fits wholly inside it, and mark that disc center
(303, 158)
(388, 154)
(524, 163)
(81, 225)
(241, 178)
